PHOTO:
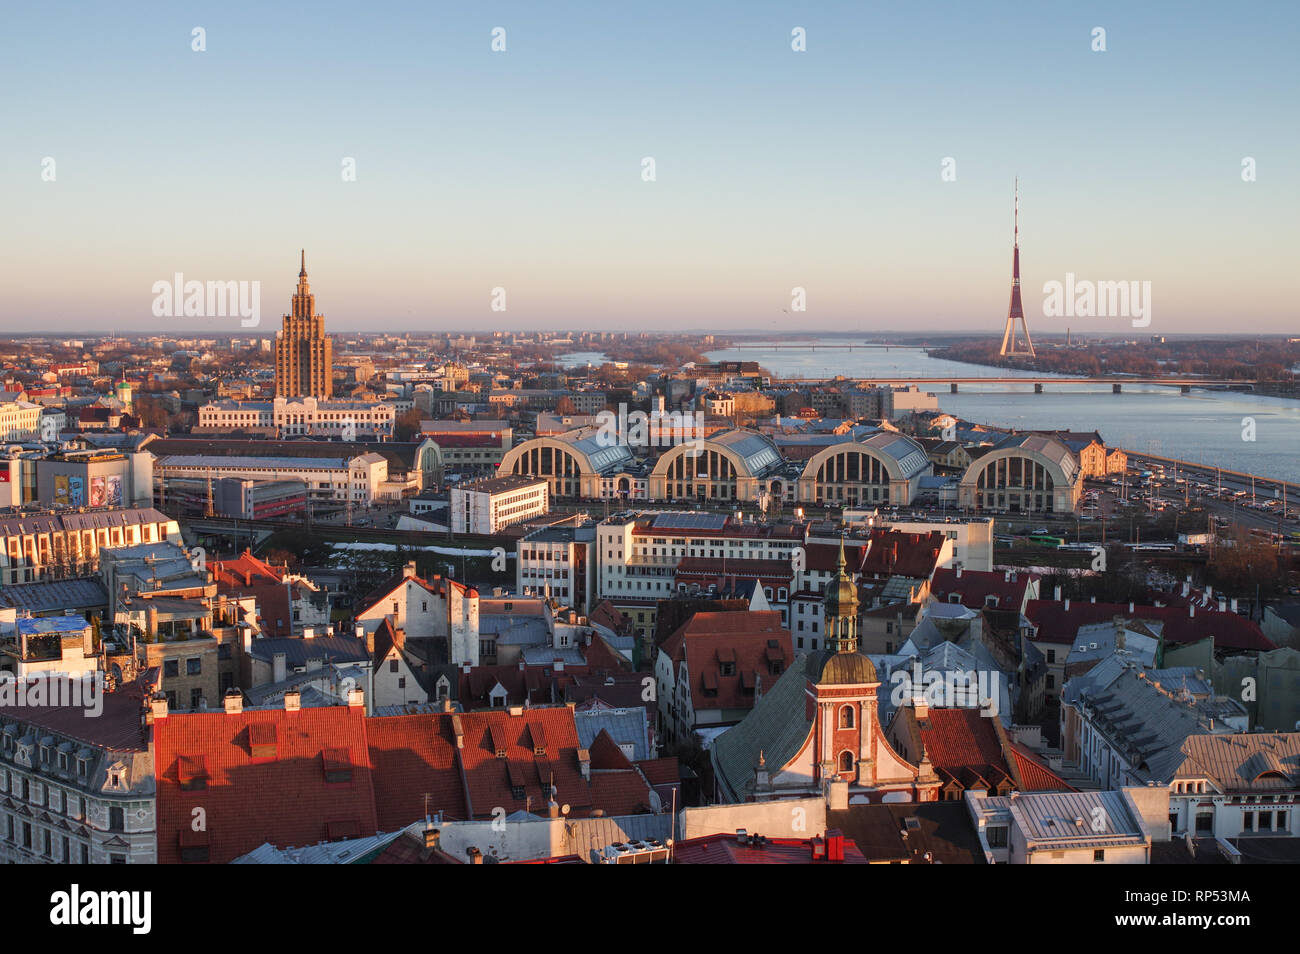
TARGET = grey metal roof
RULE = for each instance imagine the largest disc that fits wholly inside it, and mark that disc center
(777, 726)
(1048, 447)
(1257, 761)
(54, 595)
(1068, 819)
(625, 727)
(335, 649)
(330, 853)
(585, 835)
(254, 463)
(1141, 722)
(756, 450)
(91, 520)
(910, 455)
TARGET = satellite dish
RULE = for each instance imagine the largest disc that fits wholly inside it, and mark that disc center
(564, 809)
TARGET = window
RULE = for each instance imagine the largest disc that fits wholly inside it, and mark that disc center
(728, 669)
(997, 836)
(196, 698)
(846, 717)
(846, 761)
(116, 819)
(1099, 854)
(171, 668)
(392, 665)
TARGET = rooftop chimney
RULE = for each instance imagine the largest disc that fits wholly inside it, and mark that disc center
(408, 571)
(158, 706)
(584, 763)
(1067, 605)
(292, 700)
(308, 632)
(559, 665)
(356, 698)
(234, 701)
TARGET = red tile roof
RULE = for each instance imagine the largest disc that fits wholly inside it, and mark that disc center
(727, 850)
(493, 782)
(1034, 774)
(286, 800)
(891, 553)
(973, 587)
(414, 755)
(747, 642)
(956, 738)
(1055, 624)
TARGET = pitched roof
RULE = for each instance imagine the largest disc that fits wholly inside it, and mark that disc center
(973, 587)
(266, 779)
(414, 755)
(777, 727)
(726, 849)
(744, 643)
(1056, 624)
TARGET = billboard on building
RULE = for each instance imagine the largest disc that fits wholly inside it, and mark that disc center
(106, 491)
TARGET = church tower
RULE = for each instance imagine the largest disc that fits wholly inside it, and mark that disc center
(843, 694)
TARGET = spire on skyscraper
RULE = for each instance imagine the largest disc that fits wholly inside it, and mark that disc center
(302, 272)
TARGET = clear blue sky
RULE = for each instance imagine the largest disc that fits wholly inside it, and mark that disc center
(775, 169)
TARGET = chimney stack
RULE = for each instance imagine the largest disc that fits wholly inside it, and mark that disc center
(408, 571)
(234, 702)
(356, 698)
(158, 706)
(292, 700)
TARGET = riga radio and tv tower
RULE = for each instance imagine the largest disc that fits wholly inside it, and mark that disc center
(1011, 346)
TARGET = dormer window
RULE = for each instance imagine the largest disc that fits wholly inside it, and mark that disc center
(499, 744)
(338, 767)
(192, 773)
(727, 669)
(263, 741)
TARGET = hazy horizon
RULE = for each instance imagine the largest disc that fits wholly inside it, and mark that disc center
(522, 170)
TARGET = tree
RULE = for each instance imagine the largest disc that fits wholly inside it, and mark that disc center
(406, 427)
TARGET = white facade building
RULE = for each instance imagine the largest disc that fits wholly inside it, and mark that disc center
(486, 506)
(295, 416)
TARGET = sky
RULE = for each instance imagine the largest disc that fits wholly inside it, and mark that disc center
(127, 157)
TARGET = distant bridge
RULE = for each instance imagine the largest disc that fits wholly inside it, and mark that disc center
(1116, 383)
